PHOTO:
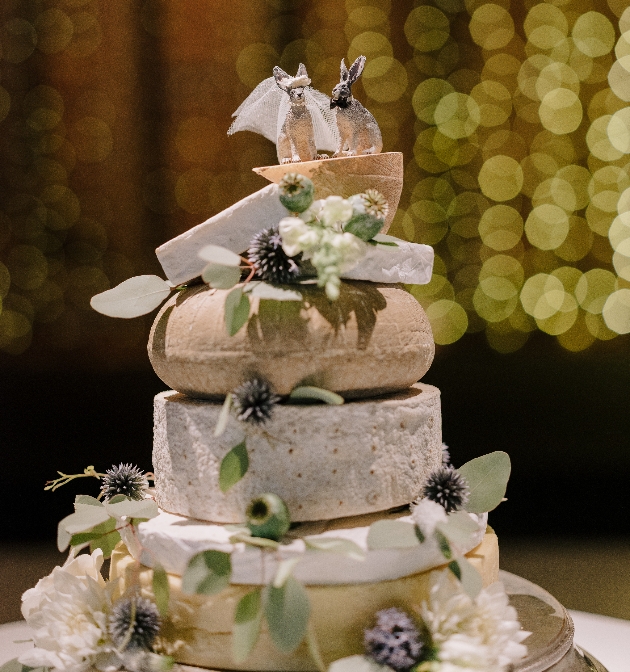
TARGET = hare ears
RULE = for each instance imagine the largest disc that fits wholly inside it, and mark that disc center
(286, 82)
(351, 76)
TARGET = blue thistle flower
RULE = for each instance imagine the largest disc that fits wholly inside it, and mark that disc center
(271, 262)
(124, 479)
(134, 623)
(254, 401)
(395, 641)
(448, 488)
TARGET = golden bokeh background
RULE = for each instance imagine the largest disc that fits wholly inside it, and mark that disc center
(513, 117)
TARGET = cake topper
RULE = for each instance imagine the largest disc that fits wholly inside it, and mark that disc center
(289, 112)
(358, 131)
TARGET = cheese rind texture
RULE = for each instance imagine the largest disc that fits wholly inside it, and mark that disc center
(232, 228)
(198, 628)
(325, 461)
(409, 263)
(374, 339)
(172, 540)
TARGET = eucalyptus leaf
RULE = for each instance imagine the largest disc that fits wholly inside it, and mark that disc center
(392, 534)
(471, 580)
(132, 298)
(285, 567)
(335, 545)
(15, 666)
(385, 239)
(247, 620)
(161, 589)
(263, 290)
(287, 611)
(104, 528)
(86, 500)
(236, 310)
(310, 393)
(145, 508)
(221, 277)
(313, 648)
(214, 254)
(487, 478)
(224, 415)
(458, 528)
(107, 543)
(364, 226)
(357, 664)
(208, 573)
(445, 547)
(233, 466)
(246, 538)
(82, 520)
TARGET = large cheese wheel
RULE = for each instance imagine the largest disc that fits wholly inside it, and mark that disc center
(374, 339)
(324, 461)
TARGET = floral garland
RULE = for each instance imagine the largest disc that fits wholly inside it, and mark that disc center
(80, 621)
(320, 241)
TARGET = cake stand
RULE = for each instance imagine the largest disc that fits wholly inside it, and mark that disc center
(550, 647)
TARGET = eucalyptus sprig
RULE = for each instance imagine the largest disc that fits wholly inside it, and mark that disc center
(64, 479)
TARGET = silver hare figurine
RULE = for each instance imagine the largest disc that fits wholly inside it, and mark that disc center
(296, 138)
(358, 131)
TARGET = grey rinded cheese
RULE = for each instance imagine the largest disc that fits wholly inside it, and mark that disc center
(325, 461)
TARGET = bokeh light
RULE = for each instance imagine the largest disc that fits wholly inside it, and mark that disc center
(514, 123)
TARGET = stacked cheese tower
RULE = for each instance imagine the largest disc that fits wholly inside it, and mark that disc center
(339, 468)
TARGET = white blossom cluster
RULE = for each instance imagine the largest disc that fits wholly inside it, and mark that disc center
(471, 635)
(318, 234)
(68, 614)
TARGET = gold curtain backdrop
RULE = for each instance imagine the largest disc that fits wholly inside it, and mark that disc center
(513, 117)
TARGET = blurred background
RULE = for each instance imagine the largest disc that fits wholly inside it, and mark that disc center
(514, 121)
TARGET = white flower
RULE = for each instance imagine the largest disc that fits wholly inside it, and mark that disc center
(427, 514)
(67, 611)
(297, 235)
(472, 635)
(335, 212)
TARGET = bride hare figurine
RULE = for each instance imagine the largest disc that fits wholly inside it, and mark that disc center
(358, 131)
(296, 137)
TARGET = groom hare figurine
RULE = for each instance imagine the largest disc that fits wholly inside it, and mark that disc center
(358, 131)
(296, 139)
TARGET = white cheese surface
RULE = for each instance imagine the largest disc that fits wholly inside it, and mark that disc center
(172, 540)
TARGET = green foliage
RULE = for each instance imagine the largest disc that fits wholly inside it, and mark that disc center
(224, 415)
(445, 547)
(215, 254)
(233, 466)
(334, 545)
(470, 578)
(259, 542)
(132, 298)
(86, 517)
(287, 611)
(487, 478)
(247, 620)
(161, 589)
(144, 508)
(221, 277)
(15, 666)
(236, 310)
(458, 528)
(364, 226)
(264, 290)
(310, 393)
(392, 534)
(208, 572)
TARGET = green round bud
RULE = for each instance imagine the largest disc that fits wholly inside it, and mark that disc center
(268, 517)
(296, 192)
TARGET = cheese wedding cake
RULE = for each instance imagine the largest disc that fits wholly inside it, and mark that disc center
(305, 513)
